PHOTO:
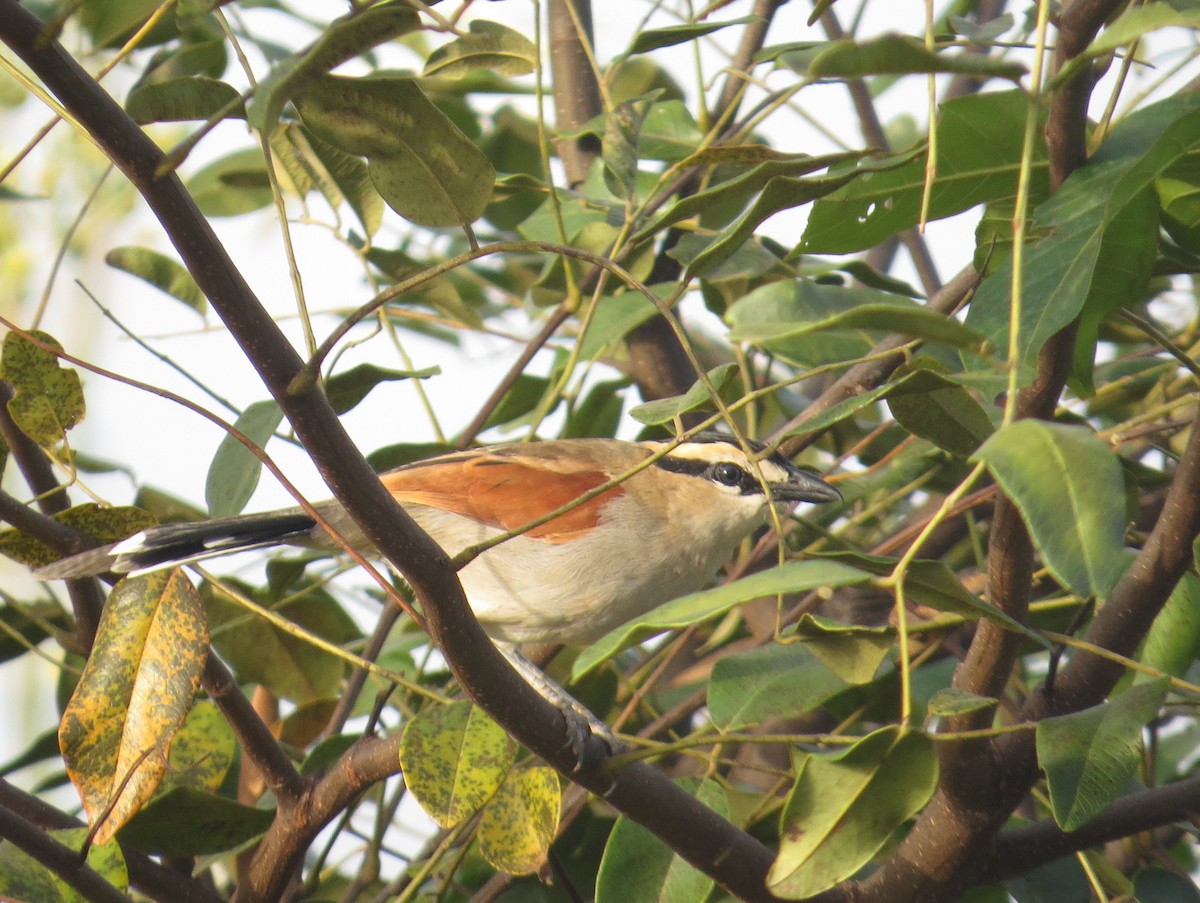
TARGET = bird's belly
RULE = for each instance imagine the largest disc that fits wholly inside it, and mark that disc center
(538, 592)
(530, 590)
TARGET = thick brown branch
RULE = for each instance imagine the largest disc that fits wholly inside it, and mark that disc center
(982, 781)
(576, 92)
(1024, 849)
(258, 743)
(87, 600)
(61, 860)
(733, 858)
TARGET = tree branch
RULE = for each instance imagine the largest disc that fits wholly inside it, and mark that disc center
(155, 881)
(1021, 850)
(734, 859)
(982, 781)
(61, 860)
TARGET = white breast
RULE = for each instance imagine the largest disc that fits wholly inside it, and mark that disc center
(529, 590)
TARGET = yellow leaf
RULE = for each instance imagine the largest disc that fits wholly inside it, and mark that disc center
(454, 758)
(520, 822)
(134, 694)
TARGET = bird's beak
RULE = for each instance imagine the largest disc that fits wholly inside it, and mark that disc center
(802, 486)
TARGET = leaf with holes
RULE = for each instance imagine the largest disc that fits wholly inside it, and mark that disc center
(47, 399)
(133, 695)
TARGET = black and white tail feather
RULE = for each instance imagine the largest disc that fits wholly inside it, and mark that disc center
(169, 545)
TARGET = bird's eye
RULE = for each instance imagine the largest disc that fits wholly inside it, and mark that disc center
(729, 474)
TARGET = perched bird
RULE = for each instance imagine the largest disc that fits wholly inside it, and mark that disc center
(662, 532)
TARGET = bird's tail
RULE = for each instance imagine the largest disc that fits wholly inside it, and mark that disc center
(172, 544)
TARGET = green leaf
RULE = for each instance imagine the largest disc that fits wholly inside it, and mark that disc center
(844, 807)
(1132, 24)
(187, 822)
(134, 693)
(656, 38)
(231, 185)
(48, 398)
(454, 759)
(952, 701)
(423, 166)
(979, 153)
(164, 273)
(1157, 885)
(1173, 642)
(108, 20)
(932, 583)
(182, 99)
(620, 149)
(1089, 756)
(669, 132)
(202, 751)
(103, 524)
(24, 625)
(24, 878)
(664, 410)
(1179, 193)
(283, 661)
(814, 323)
(234, 472)
(348, 388)
(793, 577)
(1066, 483)
(488, 45)
(520, 822)
(895, 54)
(780, 193)
(842, 410)
(340, 177)
(343, 40)
(614, 317)
(736, 192)
(892, 316)
(851, 652)
(938, 409)
(1101, 231)
(638, 866)
(779, 680)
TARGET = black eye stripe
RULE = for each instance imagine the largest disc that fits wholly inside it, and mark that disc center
(689, 466)
(715, 472)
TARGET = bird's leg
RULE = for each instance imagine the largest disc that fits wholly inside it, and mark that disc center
(580, 722)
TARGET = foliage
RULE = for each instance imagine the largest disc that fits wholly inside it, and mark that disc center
(999, 618)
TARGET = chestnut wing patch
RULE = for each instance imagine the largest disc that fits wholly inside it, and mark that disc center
(505, 493)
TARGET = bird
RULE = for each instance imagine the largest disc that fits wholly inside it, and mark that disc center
(659, 534)
(626, 548)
